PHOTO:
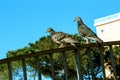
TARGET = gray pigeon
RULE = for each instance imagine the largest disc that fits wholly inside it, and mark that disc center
(86, 32)
(62, 38)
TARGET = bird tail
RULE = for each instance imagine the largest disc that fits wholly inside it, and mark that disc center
(99, 40)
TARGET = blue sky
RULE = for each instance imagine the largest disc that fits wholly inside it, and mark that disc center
(25, 21)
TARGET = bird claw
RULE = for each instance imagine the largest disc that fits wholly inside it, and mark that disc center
(87, 42)
(61, 46)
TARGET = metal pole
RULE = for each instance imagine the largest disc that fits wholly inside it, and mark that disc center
(38, 68)
(102, 62)
(113, 62)
(91, 63)
(9, 70)
(78, 64)
(24, 69)
(52, 67)
(65, 66)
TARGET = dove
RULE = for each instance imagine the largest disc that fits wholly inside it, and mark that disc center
(86, 32)
(62, 38)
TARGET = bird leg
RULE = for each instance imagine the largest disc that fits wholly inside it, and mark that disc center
(87, 41)
(61, 46)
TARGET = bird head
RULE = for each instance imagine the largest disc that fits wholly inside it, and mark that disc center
(77, 18)
(49, 30)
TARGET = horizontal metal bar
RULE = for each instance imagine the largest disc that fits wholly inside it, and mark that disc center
(55, 50)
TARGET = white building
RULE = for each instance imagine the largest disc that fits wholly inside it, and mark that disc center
(108, 28)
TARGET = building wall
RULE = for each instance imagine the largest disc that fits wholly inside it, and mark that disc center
(108, 28)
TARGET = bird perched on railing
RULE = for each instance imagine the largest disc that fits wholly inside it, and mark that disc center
(86, 32)
(62, 38)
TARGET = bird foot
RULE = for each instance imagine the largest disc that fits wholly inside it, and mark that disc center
(61, 46)
(87, 43)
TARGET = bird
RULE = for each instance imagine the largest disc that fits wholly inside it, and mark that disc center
(86, 32)
(62, 38)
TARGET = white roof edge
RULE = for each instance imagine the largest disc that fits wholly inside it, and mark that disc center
(106, 19)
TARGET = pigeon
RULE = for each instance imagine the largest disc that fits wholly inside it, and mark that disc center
(86, 32)
(62, 38)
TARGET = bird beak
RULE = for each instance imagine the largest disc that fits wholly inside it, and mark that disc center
(74, 20)
(47, 31)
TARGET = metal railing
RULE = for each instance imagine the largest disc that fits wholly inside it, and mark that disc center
(76, 52)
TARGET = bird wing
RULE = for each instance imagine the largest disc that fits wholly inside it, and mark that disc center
(82, 30)
(92, 35)
(60, 37)
(66, 38)
(69, 40)
(88, 33)
(57, 37)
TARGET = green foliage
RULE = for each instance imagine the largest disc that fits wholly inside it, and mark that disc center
(3, 72)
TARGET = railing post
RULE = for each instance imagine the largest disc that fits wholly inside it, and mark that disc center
(24, 69)
(52, 67)
(38, 67)
(91, 62)
(9, 70)
(65, 66)
(102, 62)
(78, 64)
(113, 63)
